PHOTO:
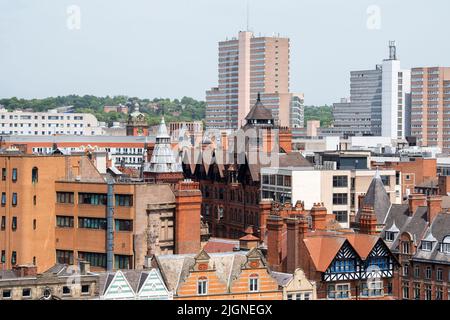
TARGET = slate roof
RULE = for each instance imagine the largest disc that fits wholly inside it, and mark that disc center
(377, 198)
(419, 229)
(282, 278)
(259, 112)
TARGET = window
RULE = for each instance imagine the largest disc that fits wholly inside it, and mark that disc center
(3, 198)
(341, 216)
(379, 262)
(26, 293)
(428, 273)
(3, 256)
(340, 181)
(6, 294)
(417, 291)
(3, 225)
(95, 259)
(124, 225)
(202, 286)
(253, 283)
(3, 174)
(64, 257)
(342, 291)
(307, 296)
(124, 200)
(405, 290)
(122, 262)
(427, 292)
(405, 270)
(390, 236)
(92, 198)
(85, 289)
(34, 224)
(14, 224)
(372, 288)
(34, 175)
(64, 222)
(64, 197)
(426, 245)
(92, 223)
(416, 272)
(439, 293)
(14, 199)
(14, 258)
(405, 247)
(439, 274)
(386, 180)
(340, 198)
(345, 265)
(445, 245)
(66, 291)
(14, 174)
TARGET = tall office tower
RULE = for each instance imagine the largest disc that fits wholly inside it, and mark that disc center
(249, 65)
(361, 114)
(396, 101)
(379, 102)
(430, 110)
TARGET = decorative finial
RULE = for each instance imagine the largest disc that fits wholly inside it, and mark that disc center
(259, 97)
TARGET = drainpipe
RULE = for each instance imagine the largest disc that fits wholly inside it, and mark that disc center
(110, 227)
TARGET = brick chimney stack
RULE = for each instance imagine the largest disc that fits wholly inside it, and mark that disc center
(434, 204)
(265, 206)
(416, 200)
(293, 238)
(275, 228)
(368, 221)
(188, 199)
(319, 216)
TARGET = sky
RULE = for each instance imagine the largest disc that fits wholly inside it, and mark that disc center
(168, 48)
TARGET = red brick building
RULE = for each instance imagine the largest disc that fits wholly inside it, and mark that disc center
(345, 265)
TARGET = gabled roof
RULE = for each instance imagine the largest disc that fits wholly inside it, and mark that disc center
(323, 250)
(227, 266)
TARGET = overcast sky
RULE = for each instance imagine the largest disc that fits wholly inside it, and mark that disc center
(168, 48)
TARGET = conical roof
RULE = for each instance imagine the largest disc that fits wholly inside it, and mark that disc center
(377, 198)
(163, 158)
(259, 111)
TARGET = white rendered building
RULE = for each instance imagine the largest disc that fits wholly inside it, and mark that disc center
(48, 123)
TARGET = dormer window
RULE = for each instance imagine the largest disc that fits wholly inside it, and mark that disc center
(444, 247)
(390, 236)
(426, 245)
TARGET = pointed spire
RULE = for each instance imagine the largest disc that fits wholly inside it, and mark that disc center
(162, 130)
(377, 174)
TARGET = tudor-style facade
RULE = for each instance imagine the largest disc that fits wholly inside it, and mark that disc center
(344, 264)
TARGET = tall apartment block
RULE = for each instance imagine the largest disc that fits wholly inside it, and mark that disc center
(430, 110)
(379, 102)
(249, 65)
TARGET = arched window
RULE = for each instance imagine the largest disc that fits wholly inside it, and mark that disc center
(445, 245)
(202, 286)
(34, 175)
